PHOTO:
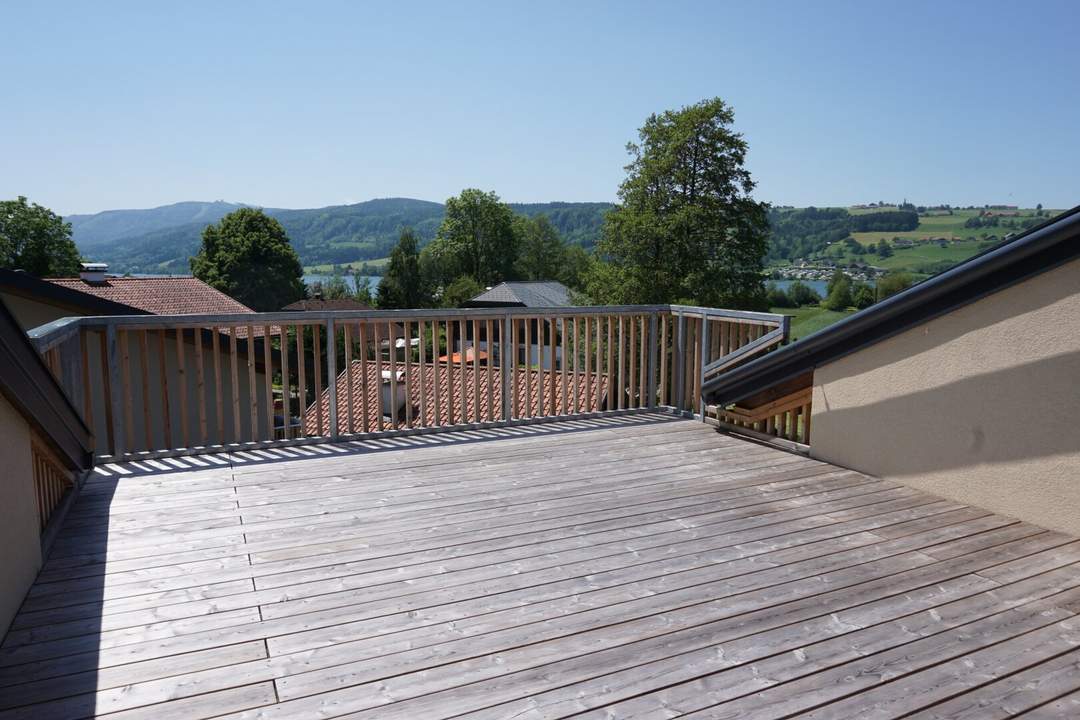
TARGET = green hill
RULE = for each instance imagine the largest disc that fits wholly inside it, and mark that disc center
(922, 241)
(161, 240)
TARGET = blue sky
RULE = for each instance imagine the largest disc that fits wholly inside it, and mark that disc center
(111, 105)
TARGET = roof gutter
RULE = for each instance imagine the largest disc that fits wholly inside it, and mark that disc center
(1039, 249)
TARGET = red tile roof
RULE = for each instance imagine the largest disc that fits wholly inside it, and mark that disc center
(596, 383)
(159, 295)
(320, 304)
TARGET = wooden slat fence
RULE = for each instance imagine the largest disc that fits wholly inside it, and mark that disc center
(157, 385)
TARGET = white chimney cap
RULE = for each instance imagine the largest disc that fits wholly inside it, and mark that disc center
(93, 272)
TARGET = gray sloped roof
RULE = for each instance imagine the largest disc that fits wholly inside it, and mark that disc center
(541, 293)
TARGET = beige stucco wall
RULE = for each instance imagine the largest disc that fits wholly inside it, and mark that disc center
(20, 543)
(981, 405)
(32, 313)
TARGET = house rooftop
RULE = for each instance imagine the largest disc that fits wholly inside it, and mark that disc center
(322, 304)
(539, 293)
(590, 393)
(173, 295)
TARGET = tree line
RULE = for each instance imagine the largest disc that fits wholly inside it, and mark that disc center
(686, 229)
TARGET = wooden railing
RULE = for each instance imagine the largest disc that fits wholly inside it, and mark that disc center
(165, 385)
(51, 478)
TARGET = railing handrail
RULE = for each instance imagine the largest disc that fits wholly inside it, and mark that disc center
(159, 364)
(51, 334)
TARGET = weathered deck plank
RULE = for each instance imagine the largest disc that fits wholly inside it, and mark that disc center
(608, 568)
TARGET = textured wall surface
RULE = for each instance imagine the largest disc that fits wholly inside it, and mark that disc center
(981, 405)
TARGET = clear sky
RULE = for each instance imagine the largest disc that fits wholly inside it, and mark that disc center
(303, 104)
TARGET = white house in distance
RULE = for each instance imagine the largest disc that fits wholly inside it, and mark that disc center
(525, 294)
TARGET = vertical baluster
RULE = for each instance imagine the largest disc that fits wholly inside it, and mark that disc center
(586, 377)
(365, 381)
(144, 381)
(235, 377)
(126, 391)
(540, 357)
(253, 392)
(421, 327)
(215, 346)
(268, 381)
(622, 363)
(379, 410)
(564, 362)
(631, 349)
(332, 379)
(350, 401)
(515, 373)
(301, 379)
(506, 353)
(316, 339)
(490, 344)
(609, 361)
(286, 383)
(664, 381)
(806, 423)
(181, 391)
(436, 390)
(576, 368)
(475, 370)
(200, 384)
(526, 410)
(108, 350)
(449, 373)
(391, 332)
(598, 369)
(163, 380)
(463, 387)
(552, 373)
(408, 374)
(87, 396)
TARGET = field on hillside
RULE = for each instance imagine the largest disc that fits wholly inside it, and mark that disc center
(808, 319)
(328, 268)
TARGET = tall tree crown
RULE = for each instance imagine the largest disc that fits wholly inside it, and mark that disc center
(247, 256)
(686, 227)
(37, 240)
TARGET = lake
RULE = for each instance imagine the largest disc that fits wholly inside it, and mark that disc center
(350, 280)
(817, 286)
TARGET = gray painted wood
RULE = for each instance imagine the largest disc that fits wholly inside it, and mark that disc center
(607, 567)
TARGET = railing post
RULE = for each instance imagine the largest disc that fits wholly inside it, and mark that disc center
(680, 364)
(114, 390)
(504, 366)
(653, 322)
(785, 326)
(704, 361)
(331, 375)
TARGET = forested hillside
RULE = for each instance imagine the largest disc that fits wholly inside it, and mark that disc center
(144, 241)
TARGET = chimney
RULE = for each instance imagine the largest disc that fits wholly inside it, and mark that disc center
(93, 273)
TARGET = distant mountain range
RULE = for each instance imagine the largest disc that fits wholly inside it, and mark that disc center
(160, 240)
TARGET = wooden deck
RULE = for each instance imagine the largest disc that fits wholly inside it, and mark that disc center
(635, 567)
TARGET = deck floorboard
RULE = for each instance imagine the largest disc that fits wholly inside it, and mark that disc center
(632, 567)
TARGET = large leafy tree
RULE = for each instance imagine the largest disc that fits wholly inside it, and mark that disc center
(248, 256)
(37, 240)
(476, 238)
(686, 227)
(402, 285)
(541, 252)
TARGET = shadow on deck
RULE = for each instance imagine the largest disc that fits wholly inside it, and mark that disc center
(638, 566)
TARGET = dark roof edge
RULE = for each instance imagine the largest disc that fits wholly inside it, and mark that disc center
(1035, 251)
(32, 390)
(26, 285)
